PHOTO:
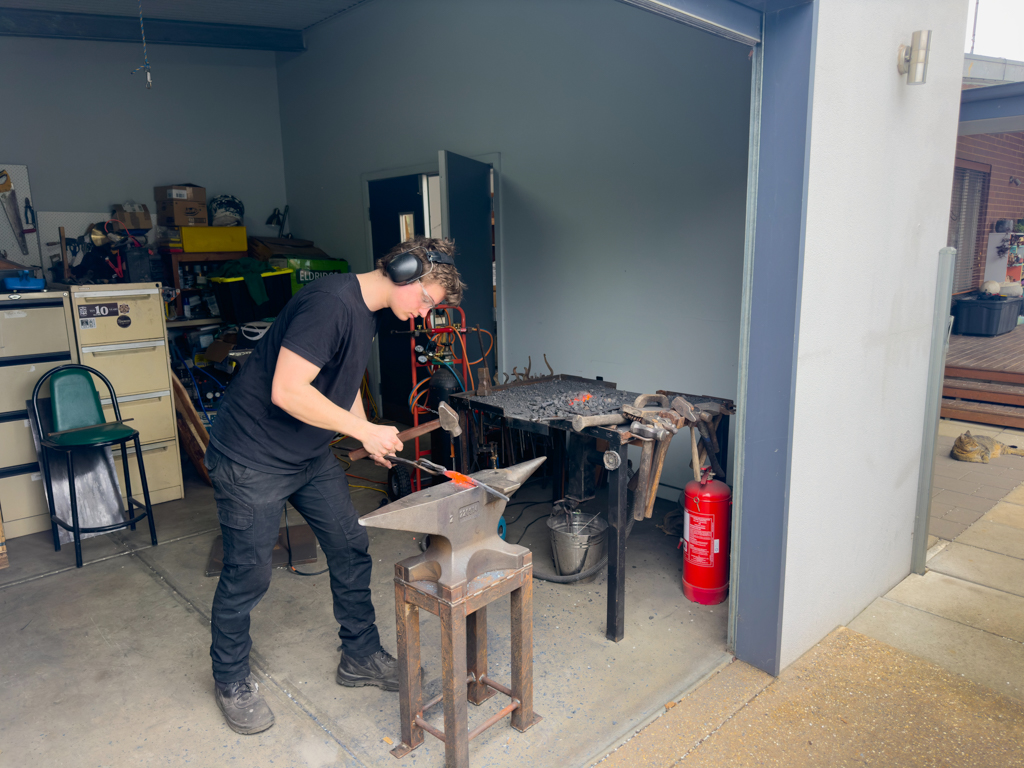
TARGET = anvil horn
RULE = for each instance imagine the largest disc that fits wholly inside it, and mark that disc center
(462, 521)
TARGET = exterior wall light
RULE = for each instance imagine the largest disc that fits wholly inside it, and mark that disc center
(912, 60)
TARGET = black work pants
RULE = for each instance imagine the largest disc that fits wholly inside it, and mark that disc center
(249, 506)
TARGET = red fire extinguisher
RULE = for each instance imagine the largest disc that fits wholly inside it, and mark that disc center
(707, 511)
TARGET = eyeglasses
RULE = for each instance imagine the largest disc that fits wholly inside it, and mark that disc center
(427, 298)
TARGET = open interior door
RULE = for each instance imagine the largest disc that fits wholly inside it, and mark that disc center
(466, 205)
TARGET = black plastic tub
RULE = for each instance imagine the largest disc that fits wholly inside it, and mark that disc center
(984, 316)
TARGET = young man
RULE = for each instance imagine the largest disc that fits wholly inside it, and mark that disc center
(270, 444)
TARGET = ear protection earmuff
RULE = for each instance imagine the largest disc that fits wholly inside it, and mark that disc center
(406, 268)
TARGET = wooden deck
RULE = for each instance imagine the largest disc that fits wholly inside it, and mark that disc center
(985, 379)
(990, 358)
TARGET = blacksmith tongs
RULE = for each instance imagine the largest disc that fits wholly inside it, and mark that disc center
(436, 469)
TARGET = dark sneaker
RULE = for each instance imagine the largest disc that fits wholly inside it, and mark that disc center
(380, 669)
(243, 706)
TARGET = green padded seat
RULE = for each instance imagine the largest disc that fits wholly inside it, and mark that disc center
(101, 433)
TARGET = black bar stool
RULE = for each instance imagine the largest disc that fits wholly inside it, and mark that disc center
(78, 422)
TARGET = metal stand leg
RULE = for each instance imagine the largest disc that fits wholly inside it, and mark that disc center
(453, 684)
(558, 439)
(49, 498)
(410, 696)
(476, 655)
(617, 522)
(74, 509)
(522, 655)
(145, 490)
(128, 478)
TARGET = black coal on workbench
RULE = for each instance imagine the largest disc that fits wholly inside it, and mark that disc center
(555, 397)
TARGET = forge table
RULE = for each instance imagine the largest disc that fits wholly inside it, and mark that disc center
(618, 439)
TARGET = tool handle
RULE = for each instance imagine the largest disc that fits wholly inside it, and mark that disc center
(579, 423)
(422, 429)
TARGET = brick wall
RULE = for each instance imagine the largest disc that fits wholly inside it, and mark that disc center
(1004, 154)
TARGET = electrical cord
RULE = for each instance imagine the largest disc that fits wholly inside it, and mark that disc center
(529, 524)
(528, 505)
(288, 546)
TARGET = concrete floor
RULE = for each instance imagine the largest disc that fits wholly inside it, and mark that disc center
(108, 664)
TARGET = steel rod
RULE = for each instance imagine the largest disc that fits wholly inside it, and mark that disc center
(494, 719)
(429, 728)
(437, 699)
(496, 686)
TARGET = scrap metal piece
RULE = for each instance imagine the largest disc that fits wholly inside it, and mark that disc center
(551, 371)
(462, 522)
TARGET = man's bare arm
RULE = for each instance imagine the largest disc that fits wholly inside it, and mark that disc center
(293, 392)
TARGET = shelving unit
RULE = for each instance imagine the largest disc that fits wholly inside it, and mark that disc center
(176, 259)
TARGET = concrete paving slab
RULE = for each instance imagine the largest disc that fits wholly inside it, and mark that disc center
(991, 492)
(112, 673)
(688, 722)
(952, 428)
(964, 501)
(953, 484)
(992, 468)
(945, 529)
(995, 537)
(1005, 513)
(988, 659)
(981, 567)
(961, 601)
(947, 467)
(1015, 496)
(853, 701)
(1007, 482)
(963, 516)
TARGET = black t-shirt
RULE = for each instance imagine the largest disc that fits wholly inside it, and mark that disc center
(328, 324)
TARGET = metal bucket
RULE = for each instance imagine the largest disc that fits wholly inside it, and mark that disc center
(576, 544)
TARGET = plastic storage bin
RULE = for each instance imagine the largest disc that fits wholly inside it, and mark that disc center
(237, 306)
(975, 316)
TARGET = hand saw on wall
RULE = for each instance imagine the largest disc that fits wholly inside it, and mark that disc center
(9, 202)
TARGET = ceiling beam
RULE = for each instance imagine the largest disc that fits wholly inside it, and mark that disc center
(18, 22)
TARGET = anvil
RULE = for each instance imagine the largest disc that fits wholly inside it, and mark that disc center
(462, 522)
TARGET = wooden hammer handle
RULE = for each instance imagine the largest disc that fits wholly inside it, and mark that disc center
(422, 429)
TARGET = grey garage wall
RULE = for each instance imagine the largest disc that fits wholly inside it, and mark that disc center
(623, 142)
(92, 135)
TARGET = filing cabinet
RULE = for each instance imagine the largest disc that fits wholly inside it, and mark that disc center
(36, 334)
(120, 332)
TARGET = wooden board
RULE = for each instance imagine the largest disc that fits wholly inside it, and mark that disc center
(985, 391)
(984, 374)
(983, 413)
(191, 430)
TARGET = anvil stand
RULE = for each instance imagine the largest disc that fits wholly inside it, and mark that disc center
(466, 567)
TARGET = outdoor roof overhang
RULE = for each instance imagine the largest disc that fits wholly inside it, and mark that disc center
(995, 109)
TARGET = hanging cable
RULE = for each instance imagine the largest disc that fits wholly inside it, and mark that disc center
(145, 52)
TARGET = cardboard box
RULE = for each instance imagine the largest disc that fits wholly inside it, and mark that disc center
(133, 216)
(181, 213)
(180, 192)
(213, 239)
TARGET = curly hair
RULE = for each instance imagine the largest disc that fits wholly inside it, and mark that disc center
(445, 275)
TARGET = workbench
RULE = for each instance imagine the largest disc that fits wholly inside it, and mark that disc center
(618, 440)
